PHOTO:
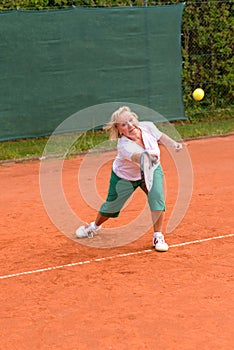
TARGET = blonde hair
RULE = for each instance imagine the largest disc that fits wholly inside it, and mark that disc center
(111, 127)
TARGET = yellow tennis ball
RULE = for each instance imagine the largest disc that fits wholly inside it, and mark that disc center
(198, 94)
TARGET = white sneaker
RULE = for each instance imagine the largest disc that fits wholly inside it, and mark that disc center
(159, 242)
(87, 231)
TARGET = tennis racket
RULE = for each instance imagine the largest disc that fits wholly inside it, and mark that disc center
(148, 165)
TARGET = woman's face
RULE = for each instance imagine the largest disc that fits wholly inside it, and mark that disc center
(127, 125)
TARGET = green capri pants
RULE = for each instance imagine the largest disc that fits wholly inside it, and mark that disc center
(120, 190)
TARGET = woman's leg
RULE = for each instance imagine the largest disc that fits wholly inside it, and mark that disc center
(157, 218)
(100, 219)
(119, 192)
(157, 206)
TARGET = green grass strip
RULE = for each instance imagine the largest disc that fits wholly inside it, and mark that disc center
(34, 148)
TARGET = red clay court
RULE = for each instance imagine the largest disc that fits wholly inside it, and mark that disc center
(59, 294)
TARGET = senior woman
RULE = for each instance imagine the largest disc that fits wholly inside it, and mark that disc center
(133, 137)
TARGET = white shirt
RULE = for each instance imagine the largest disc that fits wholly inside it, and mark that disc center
(123, 166)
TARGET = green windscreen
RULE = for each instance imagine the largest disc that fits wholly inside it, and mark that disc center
(56, 63)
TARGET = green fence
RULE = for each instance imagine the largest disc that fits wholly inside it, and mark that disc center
(56, 63)
(207, 48)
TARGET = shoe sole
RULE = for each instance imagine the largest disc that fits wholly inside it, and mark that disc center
(161, 249)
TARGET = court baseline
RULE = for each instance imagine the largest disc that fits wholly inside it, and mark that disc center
(146, 251)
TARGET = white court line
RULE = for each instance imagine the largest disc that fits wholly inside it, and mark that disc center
(111, 257)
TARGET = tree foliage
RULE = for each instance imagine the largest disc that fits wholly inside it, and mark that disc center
(207, 47)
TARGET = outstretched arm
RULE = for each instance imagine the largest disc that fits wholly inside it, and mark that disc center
(168, 142)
